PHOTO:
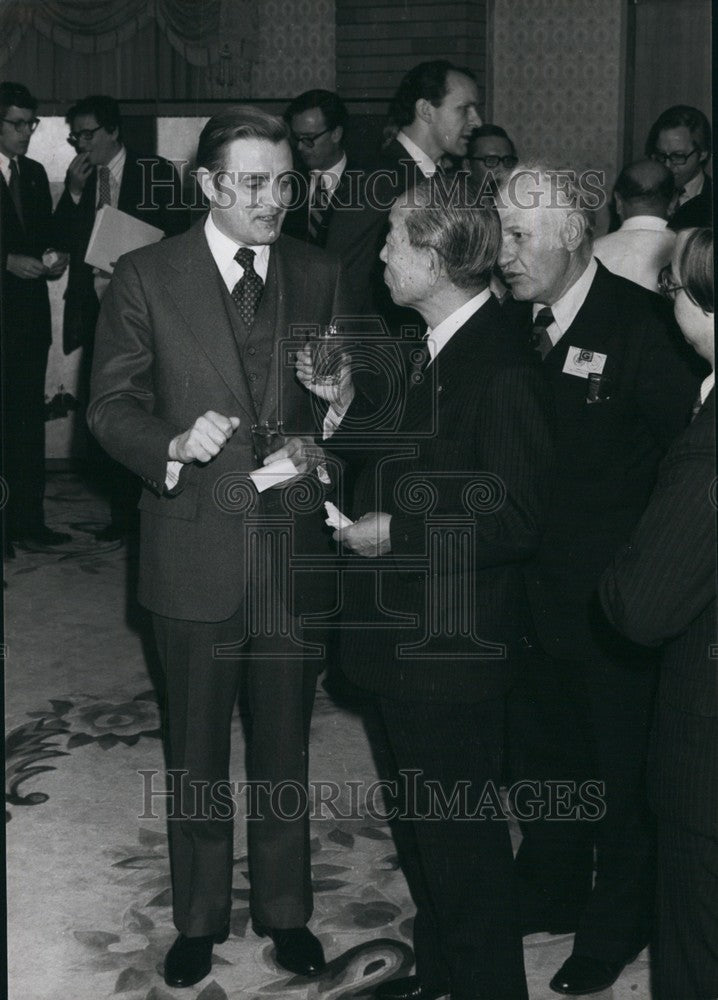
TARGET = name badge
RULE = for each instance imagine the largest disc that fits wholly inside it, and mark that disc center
(583, 363)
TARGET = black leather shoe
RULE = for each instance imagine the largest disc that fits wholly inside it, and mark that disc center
(190, 958)
(410, 988)
(296, 949)
(42, 535)
(580, 974)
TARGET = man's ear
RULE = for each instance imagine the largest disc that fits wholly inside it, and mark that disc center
(435, 264)
(206, 181)
(424, 110)
(573, 230)
(704, 156)
(337, 135)
(618, 202)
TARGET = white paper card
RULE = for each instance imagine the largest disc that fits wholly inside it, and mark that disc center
(336, 519)
(273, 474)
(115, 233)
(583, 363)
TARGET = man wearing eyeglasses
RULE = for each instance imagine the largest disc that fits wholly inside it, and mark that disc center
(681, 138)
(491, 156)
(328, 207)
(28, 260)
(105, 172)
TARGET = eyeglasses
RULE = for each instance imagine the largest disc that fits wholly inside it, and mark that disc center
(493, 161)
(309, 140)
(675, 159)
(666, 285)
(20, 123)
(85, 133)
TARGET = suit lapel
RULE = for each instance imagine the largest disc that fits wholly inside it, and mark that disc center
(205, 312)
(272, 311)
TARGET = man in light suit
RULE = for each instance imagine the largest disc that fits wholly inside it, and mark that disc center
(458, 469)
(660, 590)
(106, 172)
(188, 357)
(623, 389)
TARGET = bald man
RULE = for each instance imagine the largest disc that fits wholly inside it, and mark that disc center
(644, 243)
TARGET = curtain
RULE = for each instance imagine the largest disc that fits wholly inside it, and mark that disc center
(197, 29)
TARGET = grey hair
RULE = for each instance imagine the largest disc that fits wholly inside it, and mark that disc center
(569, 190)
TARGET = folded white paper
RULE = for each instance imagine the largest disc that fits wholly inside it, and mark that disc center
(336, 519)
(273, 474)
(115, 233)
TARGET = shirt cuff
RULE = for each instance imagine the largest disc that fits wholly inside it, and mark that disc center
(334, 416)
(173, 474)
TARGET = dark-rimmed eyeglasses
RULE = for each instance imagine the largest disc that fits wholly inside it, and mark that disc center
(21, 123)
(666, 285)
(85, 133)
(493, 161)
(675, 159)
(309, 140)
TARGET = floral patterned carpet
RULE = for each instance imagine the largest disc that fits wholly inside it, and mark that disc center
(88, 885)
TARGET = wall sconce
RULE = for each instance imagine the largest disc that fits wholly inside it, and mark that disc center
(224, 76)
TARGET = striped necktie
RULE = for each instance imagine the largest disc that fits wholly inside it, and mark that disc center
(103, 186)
(540, 340)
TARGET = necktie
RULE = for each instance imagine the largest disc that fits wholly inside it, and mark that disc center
(15, 190)
(540, 340)
(103, 185)
(317, 207)
(248, 290)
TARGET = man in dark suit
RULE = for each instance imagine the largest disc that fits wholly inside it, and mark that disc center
(622, 390)
(105, 172)
(28, 260)
(329, 207)
(681, 138)
(660, 590)
(449, 500)
(188, 357)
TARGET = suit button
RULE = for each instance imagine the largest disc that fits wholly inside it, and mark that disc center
(252, 350)
(252, 377)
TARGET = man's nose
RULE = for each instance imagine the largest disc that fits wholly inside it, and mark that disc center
(382, 254)
(474, 118)
(504, 255)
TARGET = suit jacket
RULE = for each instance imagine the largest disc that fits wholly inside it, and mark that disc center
(660, 590)
(159, 205)
(464, 472)
(351, 228)
(696, 211)
(166, 352)
(25, 303)
(607, 455)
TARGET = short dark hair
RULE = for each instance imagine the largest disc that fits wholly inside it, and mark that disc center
(330, 104)
(426, 81)
(695, 268)
(681, 116)
(633, 184)
(15, 95)
(105, 109)
(241, 121)
(489, 131)
(452, 218)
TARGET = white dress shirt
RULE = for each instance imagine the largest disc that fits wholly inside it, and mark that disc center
(638, 250)
(329, 178)
(692, 189)
(566, 308)
(707, 385)
(116, 167)
(5, 167)
(424, 161)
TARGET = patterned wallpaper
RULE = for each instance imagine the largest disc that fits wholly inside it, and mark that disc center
(557, 80)
(296, 48)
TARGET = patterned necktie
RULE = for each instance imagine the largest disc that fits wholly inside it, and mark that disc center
(540, 340)
(15, 190)
(248, 290)
(318, 206)
(103, 185)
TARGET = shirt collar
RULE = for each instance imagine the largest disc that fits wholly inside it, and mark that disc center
(424, 161)
(644, 222)
(117, 164)
(707, 385)
(442, 334)
(334, 175)
(693, 188)
(5, 166)
(566, 308)
(223, 250)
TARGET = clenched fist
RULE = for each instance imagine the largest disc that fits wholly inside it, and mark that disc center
(205, 438)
